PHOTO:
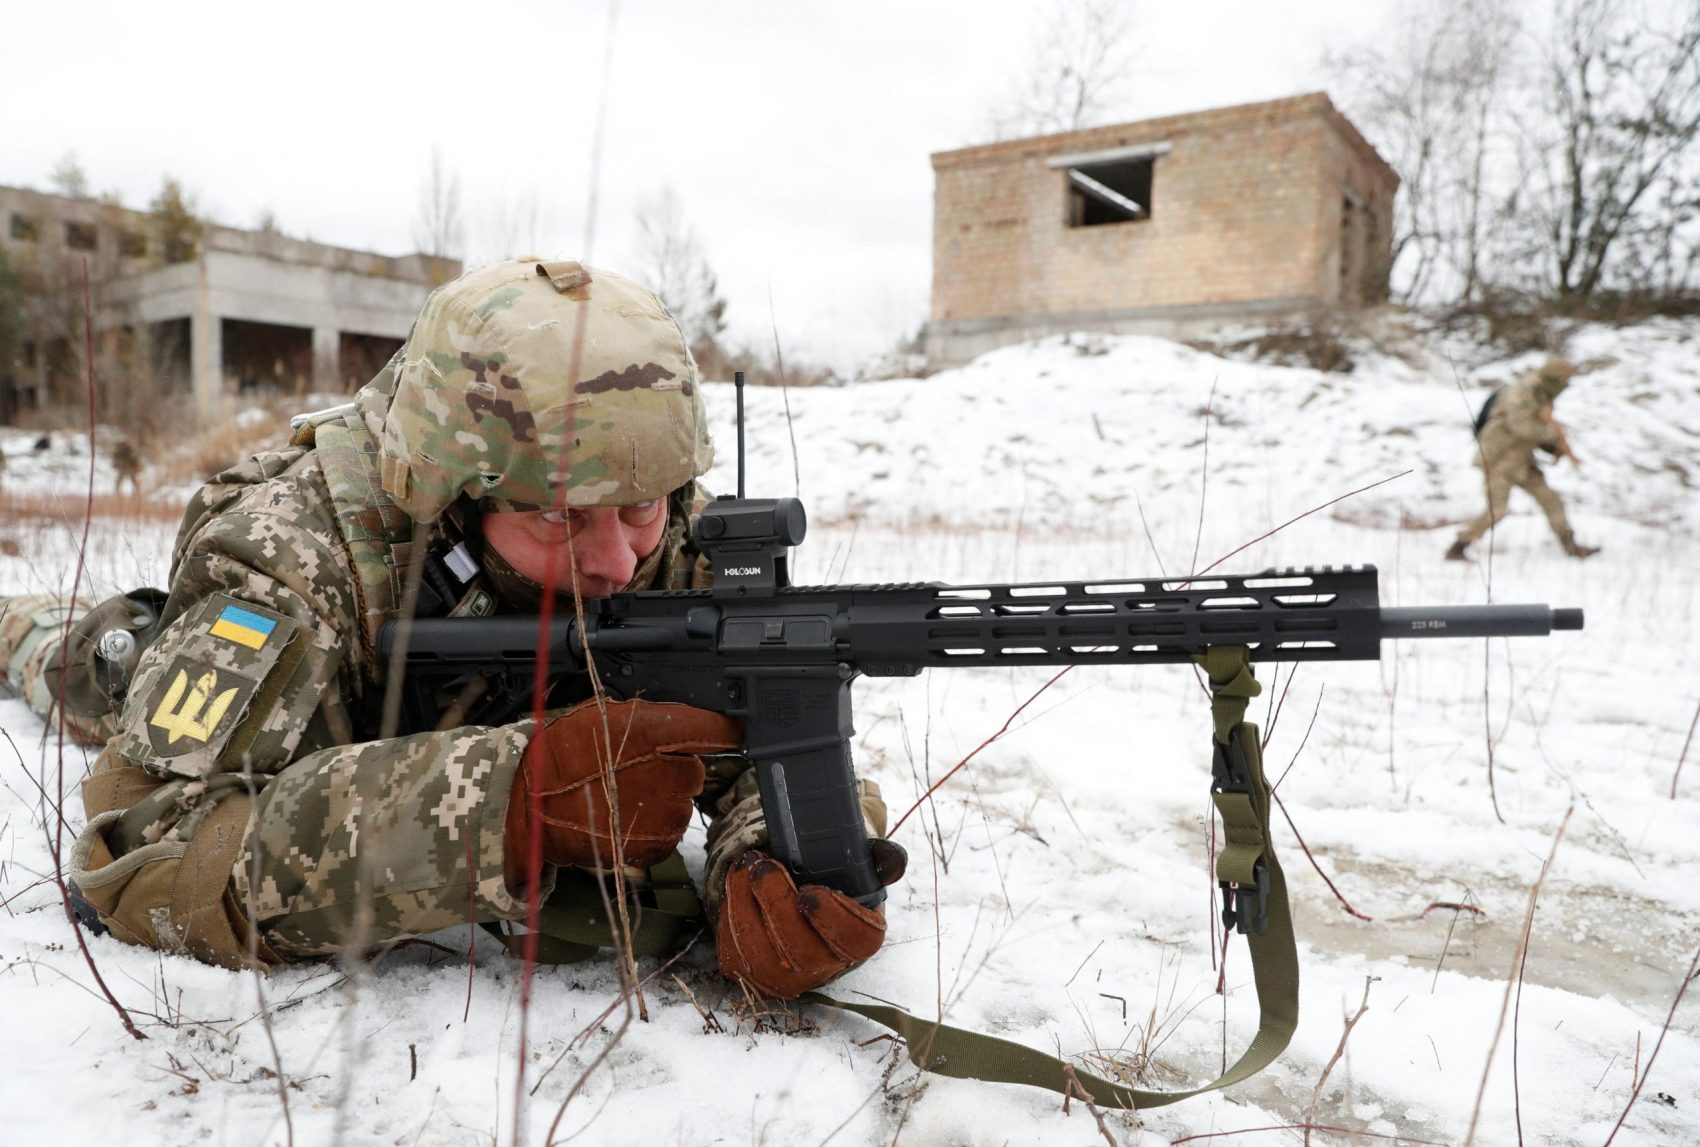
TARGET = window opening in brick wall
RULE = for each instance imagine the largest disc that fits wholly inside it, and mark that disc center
(23, 228)
(81, 236)
(132, 244)
(1116, 192)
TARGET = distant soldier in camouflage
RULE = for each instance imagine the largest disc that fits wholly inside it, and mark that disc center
(126, 466)
(1518, 422)
(542, 425)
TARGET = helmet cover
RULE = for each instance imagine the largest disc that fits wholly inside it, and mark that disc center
(542, 383)
(1556, 374)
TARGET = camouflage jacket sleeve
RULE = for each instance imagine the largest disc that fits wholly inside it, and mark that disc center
(1519, 415)
(233, 793)
(33, 628)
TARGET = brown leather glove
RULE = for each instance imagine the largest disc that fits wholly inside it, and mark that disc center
(656, 773)
(782, 940)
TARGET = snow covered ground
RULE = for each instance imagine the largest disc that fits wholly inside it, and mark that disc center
(1058, 892)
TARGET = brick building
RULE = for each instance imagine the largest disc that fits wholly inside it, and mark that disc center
(202, 315)
(1160, 226)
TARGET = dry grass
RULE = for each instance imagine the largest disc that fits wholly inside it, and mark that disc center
(61, 505)
(1318, 341)
(171, 466)
(218, 447)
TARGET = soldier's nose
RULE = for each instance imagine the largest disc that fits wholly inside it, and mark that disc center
(602, 549)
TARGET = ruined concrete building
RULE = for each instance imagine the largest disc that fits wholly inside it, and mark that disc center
(1265, 210)
(200, 315)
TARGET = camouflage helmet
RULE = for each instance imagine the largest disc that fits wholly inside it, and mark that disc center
(498, 360)
(1555, 375)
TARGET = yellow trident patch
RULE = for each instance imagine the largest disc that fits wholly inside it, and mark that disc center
(192, 716)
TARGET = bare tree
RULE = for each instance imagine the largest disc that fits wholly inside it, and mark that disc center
(1429, 97)
(1664, 258)
(515, 226)
(1609, 155)
(437, 229)
(673, 263)
(1081, 62)
(1484, 48)
(69, 178)
(175, 219)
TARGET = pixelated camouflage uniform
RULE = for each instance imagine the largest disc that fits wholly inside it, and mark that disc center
(244, 804)
(31, 626)
(1519, 424)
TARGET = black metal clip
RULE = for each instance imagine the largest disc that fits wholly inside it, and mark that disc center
(85, 912)
(1245, 908)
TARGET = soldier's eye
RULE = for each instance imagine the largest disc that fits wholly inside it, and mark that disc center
(557, 524)
(642, 514)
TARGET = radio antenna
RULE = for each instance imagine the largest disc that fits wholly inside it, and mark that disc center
(738, 385)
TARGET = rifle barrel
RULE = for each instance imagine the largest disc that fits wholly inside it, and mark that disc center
(1476, 621)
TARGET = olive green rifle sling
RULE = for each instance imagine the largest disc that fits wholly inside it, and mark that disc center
(1256, 892)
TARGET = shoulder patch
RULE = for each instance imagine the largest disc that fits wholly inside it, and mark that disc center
(243, 626)
(195, 706)
(221, 655)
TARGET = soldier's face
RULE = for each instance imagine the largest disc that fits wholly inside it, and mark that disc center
(607, 542)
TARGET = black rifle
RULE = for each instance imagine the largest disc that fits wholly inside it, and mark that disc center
(782, 658)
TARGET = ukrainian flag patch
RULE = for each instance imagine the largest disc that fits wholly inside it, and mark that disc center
(243, 627)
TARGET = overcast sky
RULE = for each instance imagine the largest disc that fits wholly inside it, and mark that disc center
(796, 134)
